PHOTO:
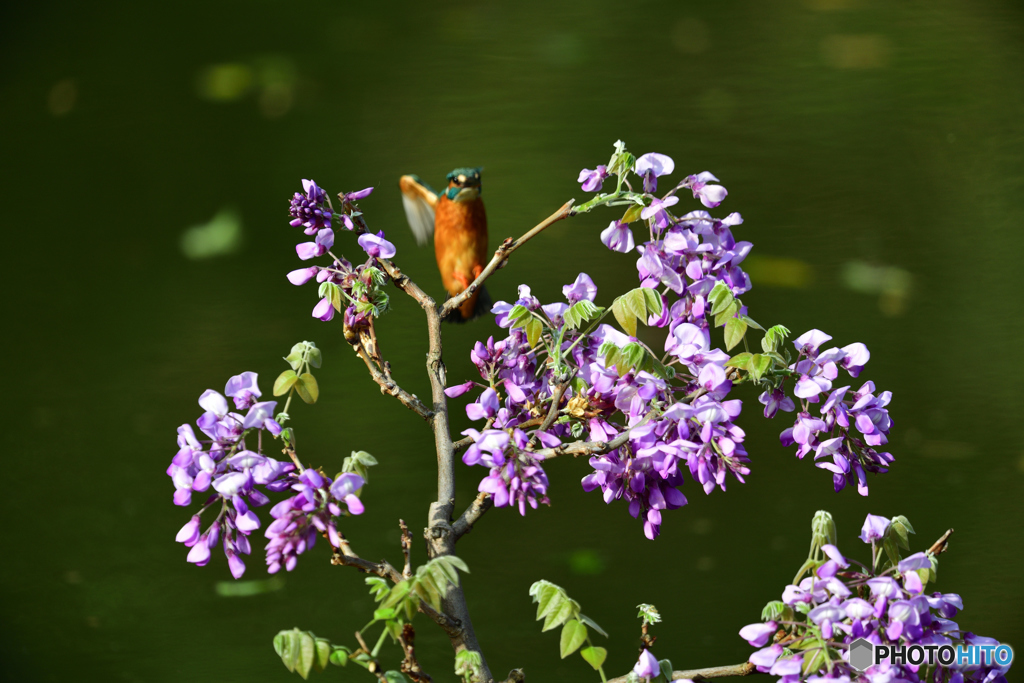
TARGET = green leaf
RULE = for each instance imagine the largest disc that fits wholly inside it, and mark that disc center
(653, 300)
(776, 610)
(719, 292)
(624, 316)
(727, 313)
(567, 609)
(649, 613)
(666, 668)
(306, 654)
(339, 655)
(284, 382)
(632, 214)
(750, 322)
(891, 550)
(307, 388)
(518, 311)
(284, 647)
(315, 357)
(759, 365)
(385, 613)
(899, 533)
(294, 360)
(378, 587)
(905, 522)
(631, 356)
(774, 338)
(592, 624)
(740, 360)
(397, 594)
(612, 357)
(735, 329)
(534, 328)
(550, 600)
(394, 677)
(594, 656)
(322, 656)
(574, 634)
(636, 301)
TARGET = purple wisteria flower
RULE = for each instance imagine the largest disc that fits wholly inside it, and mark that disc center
(376, 246)
(710, 195)
(310, 210)
(223, 463)
(323, 242)
(592, 180)
(651, 166)
(618, 237)
(897, 611)
(852, 424)
(647, 666)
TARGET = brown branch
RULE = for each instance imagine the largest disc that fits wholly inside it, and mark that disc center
(410, 665)
(389, 388)
(440, 540)
(744, 669)
(942, 545)
(464, 524)
(406, 549)
(502, 254)
(346, 557)
(373, 666)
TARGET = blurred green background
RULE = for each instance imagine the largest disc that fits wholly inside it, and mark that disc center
(874, 148)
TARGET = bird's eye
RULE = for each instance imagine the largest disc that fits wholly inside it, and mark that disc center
(461, 179)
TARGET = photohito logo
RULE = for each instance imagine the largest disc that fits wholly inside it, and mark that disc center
(863, 653)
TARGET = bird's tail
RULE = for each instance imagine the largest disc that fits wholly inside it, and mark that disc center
(474, 307)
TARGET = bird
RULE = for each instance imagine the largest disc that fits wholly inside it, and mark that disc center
(458, 222)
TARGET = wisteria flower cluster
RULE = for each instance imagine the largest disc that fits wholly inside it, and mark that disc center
(231, 462)
(354, 289)
(806, 636)
(668, 413)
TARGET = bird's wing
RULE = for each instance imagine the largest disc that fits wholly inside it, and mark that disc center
(419, 201)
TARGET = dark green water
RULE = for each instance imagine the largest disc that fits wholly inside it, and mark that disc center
(847, 131)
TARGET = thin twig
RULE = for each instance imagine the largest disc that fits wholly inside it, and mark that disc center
(389, 388)
(410, 665)
(942, 545)
(501, 255)
(464, 524)
(346, 557)
(744, 669)
(406, 549)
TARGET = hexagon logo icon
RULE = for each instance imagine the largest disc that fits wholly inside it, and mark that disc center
(862, 654)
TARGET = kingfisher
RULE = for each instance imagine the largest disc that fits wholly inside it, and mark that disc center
(457, 219)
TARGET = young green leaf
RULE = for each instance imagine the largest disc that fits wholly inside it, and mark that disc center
(315, 356)
(592, 624)
(307, 388)
(740, 360)
(727, 313)
(594, 656)
(322, 656)
(574, 634)
(759, 365)
(284, 382)
(735, 329)
(339, 655)
(534, 328)
(624, 316)
(666, 668)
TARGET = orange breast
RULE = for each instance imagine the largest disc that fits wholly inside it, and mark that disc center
(460, 244)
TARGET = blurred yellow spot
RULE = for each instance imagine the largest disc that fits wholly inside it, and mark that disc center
(62, 97)
(224, 82)
(891, 283)
(868, 51)
(691, 36)
(222, 235)
(242, 589)
(771, 271)
(705, 564)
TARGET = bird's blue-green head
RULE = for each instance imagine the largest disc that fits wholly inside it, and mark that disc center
(463, 184)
